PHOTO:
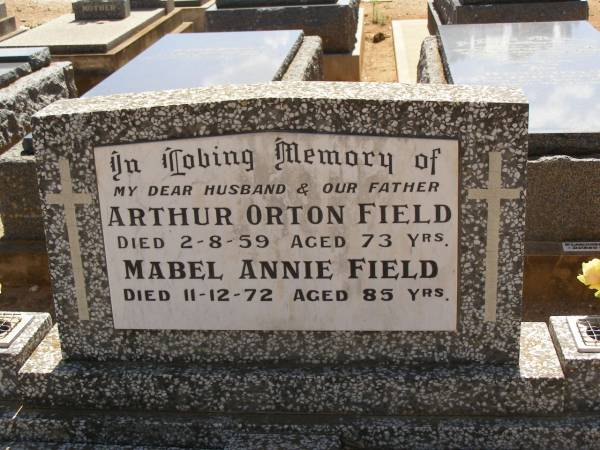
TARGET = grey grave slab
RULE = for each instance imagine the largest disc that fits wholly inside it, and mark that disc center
(36, 57)
(557, 64)
(202, 59)
(65, 35)
(101, 9)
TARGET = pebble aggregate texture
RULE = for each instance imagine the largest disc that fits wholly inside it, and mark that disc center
(459, 12)
(21, 99)
(20, 208)
(483, 119)
(545, 425)
(534, 387)
(335, 23)
(581, 369)
(101, 9)
(307, 64)
(430, 68)
(15, 355)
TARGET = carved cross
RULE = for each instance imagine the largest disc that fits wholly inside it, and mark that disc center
(69, 200)
(493, 195)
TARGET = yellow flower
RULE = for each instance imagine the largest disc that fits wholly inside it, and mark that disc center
(591, 275)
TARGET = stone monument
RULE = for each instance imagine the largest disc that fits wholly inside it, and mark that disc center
(448, 12)
(290, 265)
(335, 22)
(101, 9)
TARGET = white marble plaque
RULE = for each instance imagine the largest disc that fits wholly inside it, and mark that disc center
(281, 231)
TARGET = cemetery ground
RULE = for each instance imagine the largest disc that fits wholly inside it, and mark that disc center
(546, 275)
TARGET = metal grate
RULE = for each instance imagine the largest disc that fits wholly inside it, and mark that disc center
(589, 329)
(586, 332)
(8, 322)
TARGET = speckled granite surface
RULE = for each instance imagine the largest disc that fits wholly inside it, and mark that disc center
(582, 370)
(430, 68)
(20, 208)
(535, 387)
(19, 100)
(482, 119)
(13, 357)
(307, 64)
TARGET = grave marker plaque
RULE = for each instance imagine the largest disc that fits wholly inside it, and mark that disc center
(281, 231)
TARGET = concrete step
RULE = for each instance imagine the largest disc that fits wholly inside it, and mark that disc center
(8, 25)
(536, 387)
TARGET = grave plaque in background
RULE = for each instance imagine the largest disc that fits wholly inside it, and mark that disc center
(281, 231)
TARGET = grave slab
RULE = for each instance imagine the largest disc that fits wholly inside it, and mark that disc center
(101, 9)
(335, 23)
(257, 3)
(205, 59)
(448, 12)
(555, 63)
(31, 328)
(67, 35)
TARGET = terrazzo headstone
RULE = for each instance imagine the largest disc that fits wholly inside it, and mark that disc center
(129, 255)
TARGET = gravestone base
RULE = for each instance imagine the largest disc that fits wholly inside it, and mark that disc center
(12, 356)
(104, 403)
(335, 23)
(455, 12)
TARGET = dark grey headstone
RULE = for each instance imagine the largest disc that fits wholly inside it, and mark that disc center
(168, 5)
(335, 23)
(493, 11)
(37, 57)
(256, 3)
(188, 60)
(101, 9)
(557, 64)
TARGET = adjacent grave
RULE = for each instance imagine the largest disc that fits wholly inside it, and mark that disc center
(557, 64)
(334, 21)
(8, 24)
(448, 12)
(101, 9)
(98, 47)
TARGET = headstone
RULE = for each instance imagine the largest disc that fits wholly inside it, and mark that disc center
(273, 205)
(168, 5)
(335, 22)
(285, 264)
(448, 12)
(557, 64)
(188, 60)
(67, 35)
(101, 9)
